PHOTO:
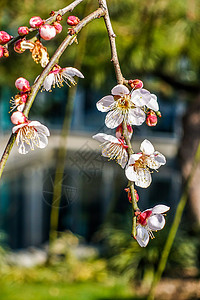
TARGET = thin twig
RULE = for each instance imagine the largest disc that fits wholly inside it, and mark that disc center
(112, 36)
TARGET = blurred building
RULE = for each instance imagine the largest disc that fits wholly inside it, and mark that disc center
(92, 187)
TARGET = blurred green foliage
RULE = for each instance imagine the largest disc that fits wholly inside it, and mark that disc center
(153, 37)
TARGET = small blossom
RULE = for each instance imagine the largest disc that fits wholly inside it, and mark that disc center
(151, 119)
(18, 102)
(139, 165)
(119, 131)
(135, 84)
(4, 37)
(73, 20)
(22, 85)
(36, 22)
(113, 148)
(124, 106)
(58, 27)
(59, 75)
(47, 32)
(29, 135)
(18, 118)
(23, 30)
(39, 52)
(150, 220)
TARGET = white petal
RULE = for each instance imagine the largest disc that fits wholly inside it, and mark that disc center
(133, 158)
(153, 103)
(43, 140)
(136, 116)
(147, 147)
(143, 178)
(21, 107)
(140, 97)
(160, 158)
(152, 163)
(102, 137)
(39, 127)
(156, 222)
(23, 148)
(123, 160)
(130, 173)
(142, 236)
(48, 82)
(120, 90)
(114, 118)
(72, 72)
(105, 103)
(160, 209)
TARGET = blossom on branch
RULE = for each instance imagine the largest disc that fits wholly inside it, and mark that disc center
(59, 75)
(150, 220)
(127, 106)
(139, 165)
(113, 148)
(39, 52)
(29, 133)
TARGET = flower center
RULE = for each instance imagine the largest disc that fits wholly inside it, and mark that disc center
(124, 102)
(142, 218)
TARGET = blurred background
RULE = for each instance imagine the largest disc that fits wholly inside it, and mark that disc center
(69, 194)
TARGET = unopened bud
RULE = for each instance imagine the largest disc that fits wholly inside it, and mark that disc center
(73, 20)
(18, 118)
(135, 84)
(36, 22)
(59, 18)
(17, 47)
(23, 30)
(151, 119)
(47, 32)
(4, 37)
(22, 84)
(58, 27)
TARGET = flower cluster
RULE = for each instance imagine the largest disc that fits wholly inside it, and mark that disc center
(127, 108)
(32, 133)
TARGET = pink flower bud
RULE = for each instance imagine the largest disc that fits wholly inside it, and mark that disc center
(23, 30)
(151, 119)
(36, 22)
(135, 84)
(58, 27)
(4, 37)
(18, 118)
(1, 51)
(22, 84)
(47, 32)
(23, 98)
(17, 47)
(73, 20)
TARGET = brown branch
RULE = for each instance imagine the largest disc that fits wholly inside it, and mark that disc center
(112, 36)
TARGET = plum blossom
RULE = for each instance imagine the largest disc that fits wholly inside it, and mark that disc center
(29, 133)
(127, 106)
(59, 75)
(18, 102)
(39, 52)
(150, 220)
(139, 165)
(113, 148)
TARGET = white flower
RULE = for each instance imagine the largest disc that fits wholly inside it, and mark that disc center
(39, 52)
(150, 220)
(30, 134)
(139, 165)
(123, 105)
(59, 75)
(113, 148)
